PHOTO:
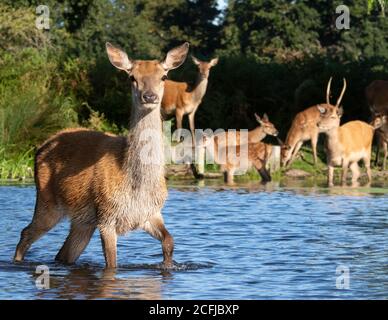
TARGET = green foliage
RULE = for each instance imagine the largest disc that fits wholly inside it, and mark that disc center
(276, 56)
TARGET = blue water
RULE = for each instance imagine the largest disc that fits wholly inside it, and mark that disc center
(246, 242)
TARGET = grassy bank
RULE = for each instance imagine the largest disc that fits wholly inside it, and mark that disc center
(19, 167)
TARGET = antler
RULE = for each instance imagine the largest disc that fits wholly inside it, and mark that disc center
(342, 94)
(328, 91)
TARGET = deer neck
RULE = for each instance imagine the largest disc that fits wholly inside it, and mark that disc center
(145, 155)
(199, 89)
(256, 135)
(333, 142)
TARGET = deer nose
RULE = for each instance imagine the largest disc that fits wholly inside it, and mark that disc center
(149, 97)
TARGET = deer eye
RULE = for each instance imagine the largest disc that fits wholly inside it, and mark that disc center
(164, 78)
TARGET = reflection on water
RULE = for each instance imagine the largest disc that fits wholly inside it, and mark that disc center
(89, 283)
(248, 241)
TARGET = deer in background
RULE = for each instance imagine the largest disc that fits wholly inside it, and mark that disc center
(304, 128)
(228, 157)
(380, 123)
(180, 98)
(347, 144)
(115, 184)
(256, 135)
(377, 96)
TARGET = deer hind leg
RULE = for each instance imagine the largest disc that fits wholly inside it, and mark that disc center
(109, 245)
(45, 218)
(367, 166)
(155, 227)
(264, 174)
(385, 147)
(355, 173)
(295, 152)
(377, 151)
(75, 243)
(229, 176)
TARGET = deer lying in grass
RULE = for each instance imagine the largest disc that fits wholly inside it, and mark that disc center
(380, 123)
(115, 184)
(347, 144)
(228, 157)
(256, 135)
(180, 98)
(304, 128)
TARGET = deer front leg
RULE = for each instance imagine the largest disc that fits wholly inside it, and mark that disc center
(155, 227)
(192, 125)
(179, 118)
(109, 246)
(345, 166)
(314, 141)
(330, 175)
(355, 173)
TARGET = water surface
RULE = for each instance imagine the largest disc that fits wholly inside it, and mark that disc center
(245, 242)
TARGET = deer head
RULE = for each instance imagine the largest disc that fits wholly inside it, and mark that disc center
(330, 115)
(378, 120)
(204, 67)
(147, 76)
(267, 126)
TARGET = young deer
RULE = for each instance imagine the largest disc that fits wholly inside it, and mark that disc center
(115, 184)
(304, 128)
(380, 123)
(346, 144)
(180, 99)
(257, 156)
(256, 135)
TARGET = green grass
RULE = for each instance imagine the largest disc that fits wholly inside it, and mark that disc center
(16, 167)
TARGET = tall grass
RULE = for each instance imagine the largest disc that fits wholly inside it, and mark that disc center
(31, 108)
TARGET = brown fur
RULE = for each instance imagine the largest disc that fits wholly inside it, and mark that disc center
(379, 122)
(180, 99)
(103, 181)
(256, 135)
(346, 145)
(253, 155)
(303, 128)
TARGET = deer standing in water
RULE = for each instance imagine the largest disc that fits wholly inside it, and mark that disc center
(304, 128)
(347, 144)
(115, 184)
(180, 98)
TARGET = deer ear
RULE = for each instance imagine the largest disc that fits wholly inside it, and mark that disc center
(118, 58)
(175, 57)
(321, 109)
(195, 60)
(213, 62)
(265, 117)
(340, 111)
(258, 119)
